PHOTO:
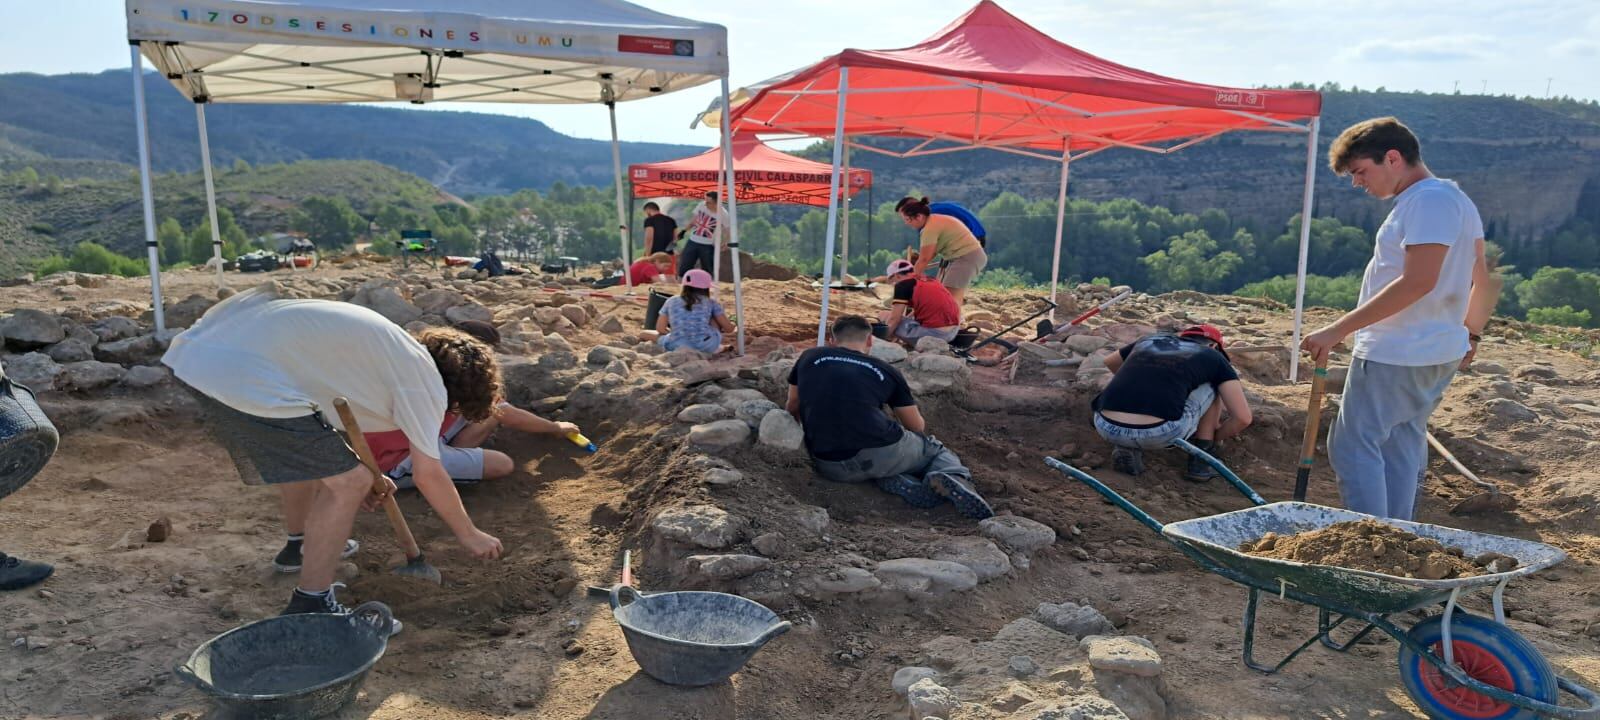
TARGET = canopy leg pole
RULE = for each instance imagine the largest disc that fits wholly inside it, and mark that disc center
(1061, 224)
(211, 192)
(616, 167)
(141, 123)
(844, 228)
(1305, 246)
(833, 204)
(733, 226)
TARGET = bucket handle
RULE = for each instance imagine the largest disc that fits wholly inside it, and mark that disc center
(773, 632)
(382, 619)
(186, 673)
(616, 596)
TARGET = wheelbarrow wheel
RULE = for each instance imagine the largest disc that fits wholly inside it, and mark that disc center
(1490, 653)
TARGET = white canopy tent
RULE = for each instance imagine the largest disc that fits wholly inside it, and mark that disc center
(418, 51)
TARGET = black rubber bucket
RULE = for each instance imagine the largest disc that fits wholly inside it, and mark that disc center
(693, 638)
(880, 330)
(965, 338)
(653, 310)
(27, 439)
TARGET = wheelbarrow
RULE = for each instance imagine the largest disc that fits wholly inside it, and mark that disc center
(1453, 665)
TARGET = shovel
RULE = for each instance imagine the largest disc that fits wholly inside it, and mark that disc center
(1490, 499)
(1308, 446)
(415, 565)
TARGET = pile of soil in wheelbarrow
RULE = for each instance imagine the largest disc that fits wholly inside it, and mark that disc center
(1375, 547)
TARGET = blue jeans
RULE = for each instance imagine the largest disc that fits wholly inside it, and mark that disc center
(910, 329)
(913, 457)
(1378, 446)
(1160, 436)
(708, 344)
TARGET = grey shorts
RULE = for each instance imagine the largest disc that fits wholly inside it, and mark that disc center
(461, 464)
(959, 273)
(910, 329)
(1159, 436)
(273, 451)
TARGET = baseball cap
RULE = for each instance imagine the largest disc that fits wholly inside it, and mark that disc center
(1209, 332)
(697, 278)
(898, 267)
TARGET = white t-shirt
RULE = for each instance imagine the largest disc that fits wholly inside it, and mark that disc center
(277, 358)
(704, 225)
(1431, 331)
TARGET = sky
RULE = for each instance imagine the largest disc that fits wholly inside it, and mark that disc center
(1518, 48)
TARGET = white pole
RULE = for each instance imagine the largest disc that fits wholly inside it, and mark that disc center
(616, 167)
(142, 126)
(1305, 246)
(833, 204)
(1061, 222)
(844, 229)
(733, 224)
(211, 192)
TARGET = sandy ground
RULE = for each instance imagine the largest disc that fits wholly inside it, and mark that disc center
(500, 639)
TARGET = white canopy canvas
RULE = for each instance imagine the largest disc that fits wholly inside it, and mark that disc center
(419, 51)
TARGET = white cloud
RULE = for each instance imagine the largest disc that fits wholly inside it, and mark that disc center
(1576, 47)
(1444, 48)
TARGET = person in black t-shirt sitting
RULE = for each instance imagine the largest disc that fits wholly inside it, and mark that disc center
(1166, 387)
(838, 394)
(660, 230)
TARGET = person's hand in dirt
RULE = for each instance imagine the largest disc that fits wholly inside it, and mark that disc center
(480, 544)
(1322, 342)
(565, 428)
(374, 499)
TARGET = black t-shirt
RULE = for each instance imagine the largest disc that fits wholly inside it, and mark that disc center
(665, 228)
(842, 394)
(1158, 373)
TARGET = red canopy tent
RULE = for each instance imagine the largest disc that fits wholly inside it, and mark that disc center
(990, 80)
(761, 174)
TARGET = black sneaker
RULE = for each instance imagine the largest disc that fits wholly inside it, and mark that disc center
(16, 573)
(1199, 470)
(961, 493)
(302, 602)
(288, 559)
(1128, 461)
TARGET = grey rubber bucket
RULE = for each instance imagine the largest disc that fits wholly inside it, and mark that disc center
(693, 638)
(27, 439)
(290, 667)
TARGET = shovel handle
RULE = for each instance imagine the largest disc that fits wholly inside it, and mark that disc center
(1308, 445)
(358, 442)
(1451, 458)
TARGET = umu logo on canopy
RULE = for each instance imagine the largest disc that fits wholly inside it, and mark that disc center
(1240, 98)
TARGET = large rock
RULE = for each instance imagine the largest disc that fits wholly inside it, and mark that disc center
(29, 329)
(732, 399)
(707, 526)
(143, 376)
(719, 435)
(1485, 367)
(602, 355)
(1123, 654)
(388, 302)
(779, 429)
(704, 413)
(696, 372)
(438, 300)
(726, 567)
(1018, 533)
(115, 327)
(90, 375)
(929, 699)
(905, 677)
(1073, 619)
(845, 581)
(184, 314)
(546, 316)
(932, 373)
(752, 412)
(611, 326)
(889, 352)
(70, 350)
(1505, 411)
(1072, 707)
(469, 311)
(576, 314)
(1085, 344)
(813, 519)
(556, 360)
(985, 560)
(1525, 372)
(1127, 671)
(35, 370)
(139, 350)
(925, 576)
(1265, 365)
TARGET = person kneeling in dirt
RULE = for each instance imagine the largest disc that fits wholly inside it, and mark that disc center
(922, 306)
(692, 320)
(266, 372)
(1166, 387)
(838, 393)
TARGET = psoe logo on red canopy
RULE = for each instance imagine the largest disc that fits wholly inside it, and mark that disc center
(1240, 98)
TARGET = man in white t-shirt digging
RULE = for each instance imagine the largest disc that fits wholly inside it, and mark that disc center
(1425, 297)
(710, 221)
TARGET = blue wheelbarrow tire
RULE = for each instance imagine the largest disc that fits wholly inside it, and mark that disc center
(1491, 653)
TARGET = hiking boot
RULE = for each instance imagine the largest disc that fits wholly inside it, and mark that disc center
(961, 493)
(302, 602)
(916, 494)
(288, 559)
(16, 573)
(1128, 461)
(1199, 470)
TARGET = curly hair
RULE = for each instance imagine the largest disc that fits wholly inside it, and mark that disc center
(470, 372)
(1373, 139)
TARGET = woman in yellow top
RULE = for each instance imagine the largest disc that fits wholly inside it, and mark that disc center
(961, 256)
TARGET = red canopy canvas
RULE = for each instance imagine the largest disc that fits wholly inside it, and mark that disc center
(762, 174)
(991, 80)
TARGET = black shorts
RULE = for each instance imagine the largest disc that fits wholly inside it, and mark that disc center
(273, 451)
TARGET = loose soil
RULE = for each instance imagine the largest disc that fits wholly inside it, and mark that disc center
(1377, 547)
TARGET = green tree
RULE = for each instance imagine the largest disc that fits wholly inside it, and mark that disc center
(169, 235)
(1563, 315)
(1321, 291)
(89, 257)
(329, 222)
(240, 166)
(1191, 262)
(1555, 287)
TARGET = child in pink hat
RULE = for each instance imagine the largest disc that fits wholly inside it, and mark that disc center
(692, 319)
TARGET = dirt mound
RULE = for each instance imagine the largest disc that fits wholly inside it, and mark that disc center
(753, 268)
(1373, 546)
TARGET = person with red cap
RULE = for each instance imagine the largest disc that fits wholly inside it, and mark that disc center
(1165, 387)
(692, 320)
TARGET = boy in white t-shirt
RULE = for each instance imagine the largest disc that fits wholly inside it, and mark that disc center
(1425, 297)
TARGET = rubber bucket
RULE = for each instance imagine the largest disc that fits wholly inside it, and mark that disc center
(880, 330)
(653, 310)
(693, 638)
(965, 338)
(27, 439)
(290, 667)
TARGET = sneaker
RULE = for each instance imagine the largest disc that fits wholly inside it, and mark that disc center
(1199, 470)
(1128, 461)
(967, 500)
(16, 573)
(916, 494)
(288, 559)
(302, 602)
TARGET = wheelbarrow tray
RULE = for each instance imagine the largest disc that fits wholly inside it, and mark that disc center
(1218, 537)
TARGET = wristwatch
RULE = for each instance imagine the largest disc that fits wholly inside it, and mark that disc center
(1474, 337)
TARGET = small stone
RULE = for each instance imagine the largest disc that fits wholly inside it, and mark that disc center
(1125, 654)
(719, 435)
(1073, 619)
(159, 530)
(143, 376)
(812, 518)
(932, 345)
(1017, 532)
(779, 429)
(721, 477)
(611, 326)
(905, 677)
(726, 567)
(889, 352)
(1022, 666)
(571, 646)
(769, 544)
(929, 699)
(46, 594)
(703, 525)
(704, 413)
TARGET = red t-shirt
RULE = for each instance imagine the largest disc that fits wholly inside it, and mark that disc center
(392, 446)
(931, 304)
(643, 272)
